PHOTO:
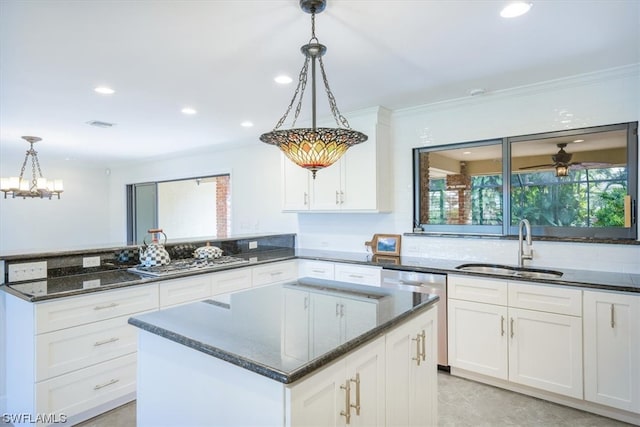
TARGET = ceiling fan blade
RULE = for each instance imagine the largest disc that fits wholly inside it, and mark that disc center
(589, 165)
(550, 165)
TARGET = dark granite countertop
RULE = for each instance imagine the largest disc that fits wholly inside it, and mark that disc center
(606, 280)
(113, 278)
(57, 287)
(268, 341)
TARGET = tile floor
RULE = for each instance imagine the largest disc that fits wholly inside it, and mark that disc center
(461, 403)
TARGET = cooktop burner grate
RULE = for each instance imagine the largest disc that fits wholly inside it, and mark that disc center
(186, 265)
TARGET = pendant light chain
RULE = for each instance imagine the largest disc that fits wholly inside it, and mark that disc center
(338, 117)
(302, 84)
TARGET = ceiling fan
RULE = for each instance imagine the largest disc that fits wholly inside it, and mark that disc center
(562, 162)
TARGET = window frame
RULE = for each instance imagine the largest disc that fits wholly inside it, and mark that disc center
(507, 229)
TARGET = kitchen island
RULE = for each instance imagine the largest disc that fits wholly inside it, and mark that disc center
(311, 352)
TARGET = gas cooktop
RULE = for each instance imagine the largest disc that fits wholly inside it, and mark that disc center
(187, 265)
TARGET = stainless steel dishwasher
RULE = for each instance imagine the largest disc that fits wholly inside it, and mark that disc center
(428, 283)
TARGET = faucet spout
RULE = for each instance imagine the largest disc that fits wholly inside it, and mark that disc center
(524, 227)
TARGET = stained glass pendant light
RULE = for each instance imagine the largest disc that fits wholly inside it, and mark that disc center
(313, 148)
(36, 187)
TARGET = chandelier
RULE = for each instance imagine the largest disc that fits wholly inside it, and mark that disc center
(313, 148)
(38, 186)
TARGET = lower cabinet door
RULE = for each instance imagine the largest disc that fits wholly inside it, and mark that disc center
(612, 349)
(545, 351)
(350, 391)
(87, 388)
(70, 349)
(411, 373)
(478, 337)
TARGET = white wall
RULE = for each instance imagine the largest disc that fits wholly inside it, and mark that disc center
(88, 216)
(255, 185)
(79, 219)
(594, 99)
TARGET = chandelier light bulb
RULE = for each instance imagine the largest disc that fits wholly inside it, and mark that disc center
(36, 187)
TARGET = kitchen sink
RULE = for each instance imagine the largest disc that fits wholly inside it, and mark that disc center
(507, 270)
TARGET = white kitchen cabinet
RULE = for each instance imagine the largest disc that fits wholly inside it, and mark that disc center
(233, 280)
(545, 351)
(184, 290)
(359, 274)
(342, 272)
(411, 358)
(296, 183)
(295, 337)
(478, 337)
(350, 391)
(612, 349)
(316, 269)
(76, 355)
(350, 317)
(358, 182)
(525, 333)
(276, 272)
(545, 338)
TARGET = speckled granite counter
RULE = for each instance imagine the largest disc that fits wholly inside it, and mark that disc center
(235, 330)
(97, 281)
(614, 281)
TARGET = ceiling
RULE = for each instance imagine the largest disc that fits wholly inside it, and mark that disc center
(220, 57)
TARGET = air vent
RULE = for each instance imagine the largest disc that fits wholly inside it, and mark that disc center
(98, 123)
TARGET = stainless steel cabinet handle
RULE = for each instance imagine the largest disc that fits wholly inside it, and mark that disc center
(275, 273)
(356, 276)
(102, 307)
(341, 197)
(318, 271)
(347, 401)
(337, 309)
(110, 340)
(418, 359)
(306, 302)
(99, 386)
(341, 310)
(501, 326)
(306, 198)
(512, 333)
(337, 198)
(424, 345)
(357, 405)
(613, 320)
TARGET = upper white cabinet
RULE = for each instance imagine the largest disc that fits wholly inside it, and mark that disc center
(612, 349)
(358, 182)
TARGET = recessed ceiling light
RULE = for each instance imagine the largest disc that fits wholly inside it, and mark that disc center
(466, 153)
(477, 91)
(515, 8)
(104, 90)
(578, 140)
(188, 110)
(246, 124)
(283, 80)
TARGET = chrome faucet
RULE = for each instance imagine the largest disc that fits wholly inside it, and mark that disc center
(522, 254)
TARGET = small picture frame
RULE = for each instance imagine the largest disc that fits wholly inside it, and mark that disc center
(383, 259)
(385, 244)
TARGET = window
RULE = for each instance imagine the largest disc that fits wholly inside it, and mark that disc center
(578, 183)
(186, 208)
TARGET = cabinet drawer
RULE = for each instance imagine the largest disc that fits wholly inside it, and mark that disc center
(546, 298)
(69, 349)
(274, 273)
(316, 269)
(230, 281)
(358, 274)
(87, 388)
(477, 289)
(189, 289)
(80, 310)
